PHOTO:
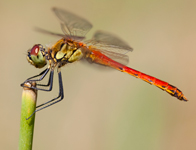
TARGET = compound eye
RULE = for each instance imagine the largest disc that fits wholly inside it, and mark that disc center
(36, 56)
(35, 50)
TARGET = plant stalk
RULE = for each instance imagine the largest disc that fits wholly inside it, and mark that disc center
(29, 98)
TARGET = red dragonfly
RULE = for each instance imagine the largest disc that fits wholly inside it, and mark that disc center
(104, 48)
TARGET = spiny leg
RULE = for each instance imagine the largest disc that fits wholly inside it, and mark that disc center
(45, 72)
(42, 74)
(60, 91)
(50, 82)
(61, 95)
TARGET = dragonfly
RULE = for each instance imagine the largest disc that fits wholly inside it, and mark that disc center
(104, 49)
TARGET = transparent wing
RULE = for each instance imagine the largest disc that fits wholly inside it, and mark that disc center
(111, 46)
(77, 38)
(72, 24)
(121, 58)
(109, 42)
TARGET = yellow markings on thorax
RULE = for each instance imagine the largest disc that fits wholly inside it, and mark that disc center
(57, 47)
(62, 52)
(70, 51)
(76, 55)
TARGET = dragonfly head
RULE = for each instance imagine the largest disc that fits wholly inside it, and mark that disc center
(36, 56)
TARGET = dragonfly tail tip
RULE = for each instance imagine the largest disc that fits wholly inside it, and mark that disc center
(184, 99)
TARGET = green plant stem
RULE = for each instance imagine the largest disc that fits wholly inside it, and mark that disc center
(29, 98)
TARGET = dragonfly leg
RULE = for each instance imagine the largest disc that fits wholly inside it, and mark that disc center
(61, 95)
(42, 74)
(50, 83)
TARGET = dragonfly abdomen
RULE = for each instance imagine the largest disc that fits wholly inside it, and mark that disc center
(172, 90)
(99, 58)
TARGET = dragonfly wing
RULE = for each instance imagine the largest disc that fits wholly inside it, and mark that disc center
(121, 58)
(110, 42)
(72, 24)
(79, 38)
(111, 46)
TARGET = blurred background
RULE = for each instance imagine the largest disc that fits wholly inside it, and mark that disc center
(104, 109)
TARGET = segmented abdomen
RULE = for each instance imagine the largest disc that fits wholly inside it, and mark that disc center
(99, 58)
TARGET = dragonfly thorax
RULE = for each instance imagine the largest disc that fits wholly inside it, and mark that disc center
(66, 52)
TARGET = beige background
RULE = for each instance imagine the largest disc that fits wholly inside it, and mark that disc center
(105, 110)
